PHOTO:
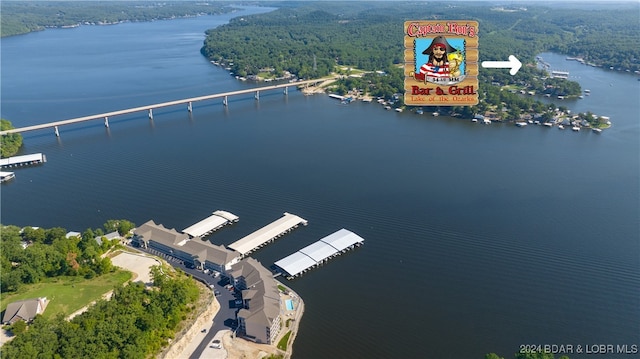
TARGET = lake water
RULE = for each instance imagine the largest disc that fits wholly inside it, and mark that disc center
(478, 238)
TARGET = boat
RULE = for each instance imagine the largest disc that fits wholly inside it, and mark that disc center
(521, 124)
(6, 176)
(398, 109)
(419, 111)
(587, 91)
(436, 114)
(575, 128)
(474, 120)
(548, 124)
(387, 107)
(596, 130)
(560, 127)
(580, 96)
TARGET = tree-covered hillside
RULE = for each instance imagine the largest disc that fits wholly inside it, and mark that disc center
(369, 35)
(20, 17)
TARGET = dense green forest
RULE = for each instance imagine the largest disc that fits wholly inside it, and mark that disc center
(11, 143)
(369, 35)
(49, 253)
(20, 17)
(136, 323)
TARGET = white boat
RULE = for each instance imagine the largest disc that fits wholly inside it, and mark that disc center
(419, 111)
(474, 120)
(436, 114)
(6, 176)
(398, 110)
(521, 124)
(486, 121)
(575, 128)
(548, 124)
(596, 130)
(387, 107)
(560, 127)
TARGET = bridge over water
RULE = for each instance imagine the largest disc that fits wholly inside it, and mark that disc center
(149, 108)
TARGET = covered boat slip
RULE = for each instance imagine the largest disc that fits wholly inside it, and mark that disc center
(267, 234)
(210, 224)
(23, 160)
(319, 252)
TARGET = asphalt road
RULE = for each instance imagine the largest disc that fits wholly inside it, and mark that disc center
(226, 316)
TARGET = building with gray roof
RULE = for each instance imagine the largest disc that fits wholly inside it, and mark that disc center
(259, 320)
(24, 310)
(202, 254)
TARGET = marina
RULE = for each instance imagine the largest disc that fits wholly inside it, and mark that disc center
(267, 234)
(217, 220)
(24, 160)
(318, 253)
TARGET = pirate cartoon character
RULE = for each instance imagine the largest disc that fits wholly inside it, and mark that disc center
(443, 62)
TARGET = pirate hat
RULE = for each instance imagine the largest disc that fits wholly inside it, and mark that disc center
(442, 41)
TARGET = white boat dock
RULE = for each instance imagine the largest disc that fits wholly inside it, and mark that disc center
(267, 234)
(211, 224)
(318, 253)
(6, 176)
(25, 160)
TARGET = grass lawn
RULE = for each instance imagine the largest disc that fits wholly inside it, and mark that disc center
(282, 344)
(67, 294)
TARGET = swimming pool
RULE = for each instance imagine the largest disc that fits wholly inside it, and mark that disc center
(289, 304)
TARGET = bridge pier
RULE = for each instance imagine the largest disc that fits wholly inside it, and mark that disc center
(225, 101)
(151, 114)
(257, 96)
(190, 107)
(55, 130)
(106, 121)
(286, 90)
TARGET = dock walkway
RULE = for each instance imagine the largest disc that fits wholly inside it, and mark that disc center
(24, 160)
(267, 234)
(217, 220)
(318, 253)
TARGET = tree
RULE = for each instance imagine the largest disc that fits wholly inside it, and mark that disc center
(34, 235)
(9, 144)
(123, 226)
(19, 327)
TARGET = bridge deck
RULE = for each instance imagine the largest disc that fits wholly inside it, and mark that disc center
(154, 106)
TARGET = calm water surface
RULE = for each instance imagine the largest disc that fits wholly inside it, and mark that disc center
(478, 238)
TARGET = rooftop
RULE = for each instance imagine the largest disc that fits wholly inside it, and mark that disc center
(265, 234)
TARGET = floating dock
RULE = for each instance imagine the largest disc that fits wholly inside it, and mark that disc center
(6, 176)
(267, 234)
(318, 253)
(26, 160)
(211, 224)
